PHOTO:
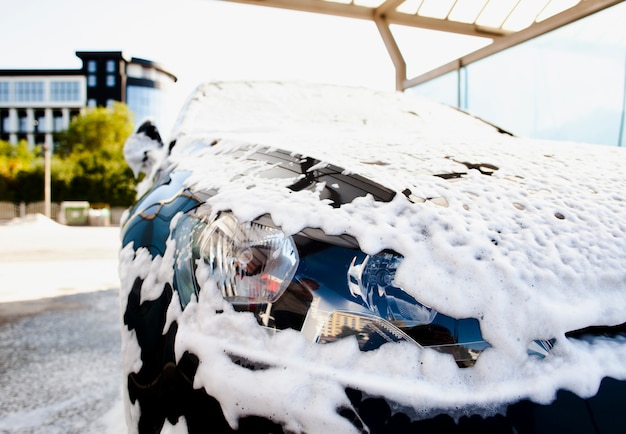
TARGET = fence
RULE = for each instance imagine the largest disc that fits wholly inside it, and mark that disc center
(40, 208)
(9, 211)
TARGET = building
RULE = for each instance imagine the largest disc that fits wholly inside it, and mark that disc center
(37, 103)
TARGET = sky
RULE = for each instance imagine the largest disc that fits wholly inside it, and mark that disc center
(200, 40)
(206, 40)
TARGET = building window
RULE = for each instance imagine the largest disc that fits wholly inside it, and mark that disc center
(65, 91)
(40, 122)
(4, 91)
(25, 124)
(110, 80)
(92, 66)
(58, 121)
(91, 81)
(29, 91)
(91, 103)
(111, 66)
(6, 121)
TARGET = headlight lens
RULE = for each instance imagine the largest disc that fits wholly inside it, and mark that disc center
(250, 262)
(372, 280)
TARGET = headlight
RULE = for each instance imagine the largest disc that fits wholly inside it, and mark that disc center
(323, 286)
(250, 262)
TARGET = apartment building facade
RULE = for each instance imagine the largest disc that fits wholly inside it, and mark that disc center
(35, 104)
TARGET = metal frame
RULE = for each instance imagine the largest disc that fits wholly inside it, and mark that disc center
(387, 14)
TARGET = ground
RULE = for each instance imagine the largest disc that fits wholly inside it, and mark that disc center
(60, 367)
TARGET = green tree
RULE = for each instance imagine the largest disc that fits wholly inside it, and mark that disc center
(101, 130)
(15, 161)
(88, 163)
(16, 158)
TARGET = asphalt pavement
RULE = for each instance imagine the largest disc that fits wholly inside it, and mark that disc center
(60, 356)
(60, 365)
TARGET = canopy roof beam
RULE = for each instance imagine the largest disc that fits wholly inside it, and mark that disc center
(583, 9)
(394, 51)
(387, 13)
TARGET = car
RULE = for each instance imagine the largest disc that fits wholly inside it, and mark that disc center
(312, 258)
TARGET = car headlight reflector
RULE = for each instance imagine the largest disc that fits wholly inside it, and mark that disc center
(250, 262)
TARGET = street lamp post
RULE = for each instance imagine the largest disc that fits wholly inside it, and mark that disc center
(47, 176)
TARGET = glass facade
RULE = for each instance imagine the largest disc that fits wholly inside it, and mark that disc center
(4, 91)
(65, 91)
(565, 85)
(40, 91)
(29, 91)
(146, 102)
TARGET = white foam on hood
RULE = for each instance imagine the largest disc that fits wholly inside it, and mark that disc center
(532, 251)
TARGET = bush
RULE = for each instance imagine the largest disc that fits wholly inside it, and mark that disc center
(87, 164)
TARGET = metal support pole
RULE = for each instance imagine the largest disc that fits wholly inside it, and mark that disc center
(393, 50)
(47, 179)
(620, 139)
(459, 85)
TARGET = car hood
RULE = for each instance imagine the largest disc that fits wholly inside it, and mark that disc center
(491, 226)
